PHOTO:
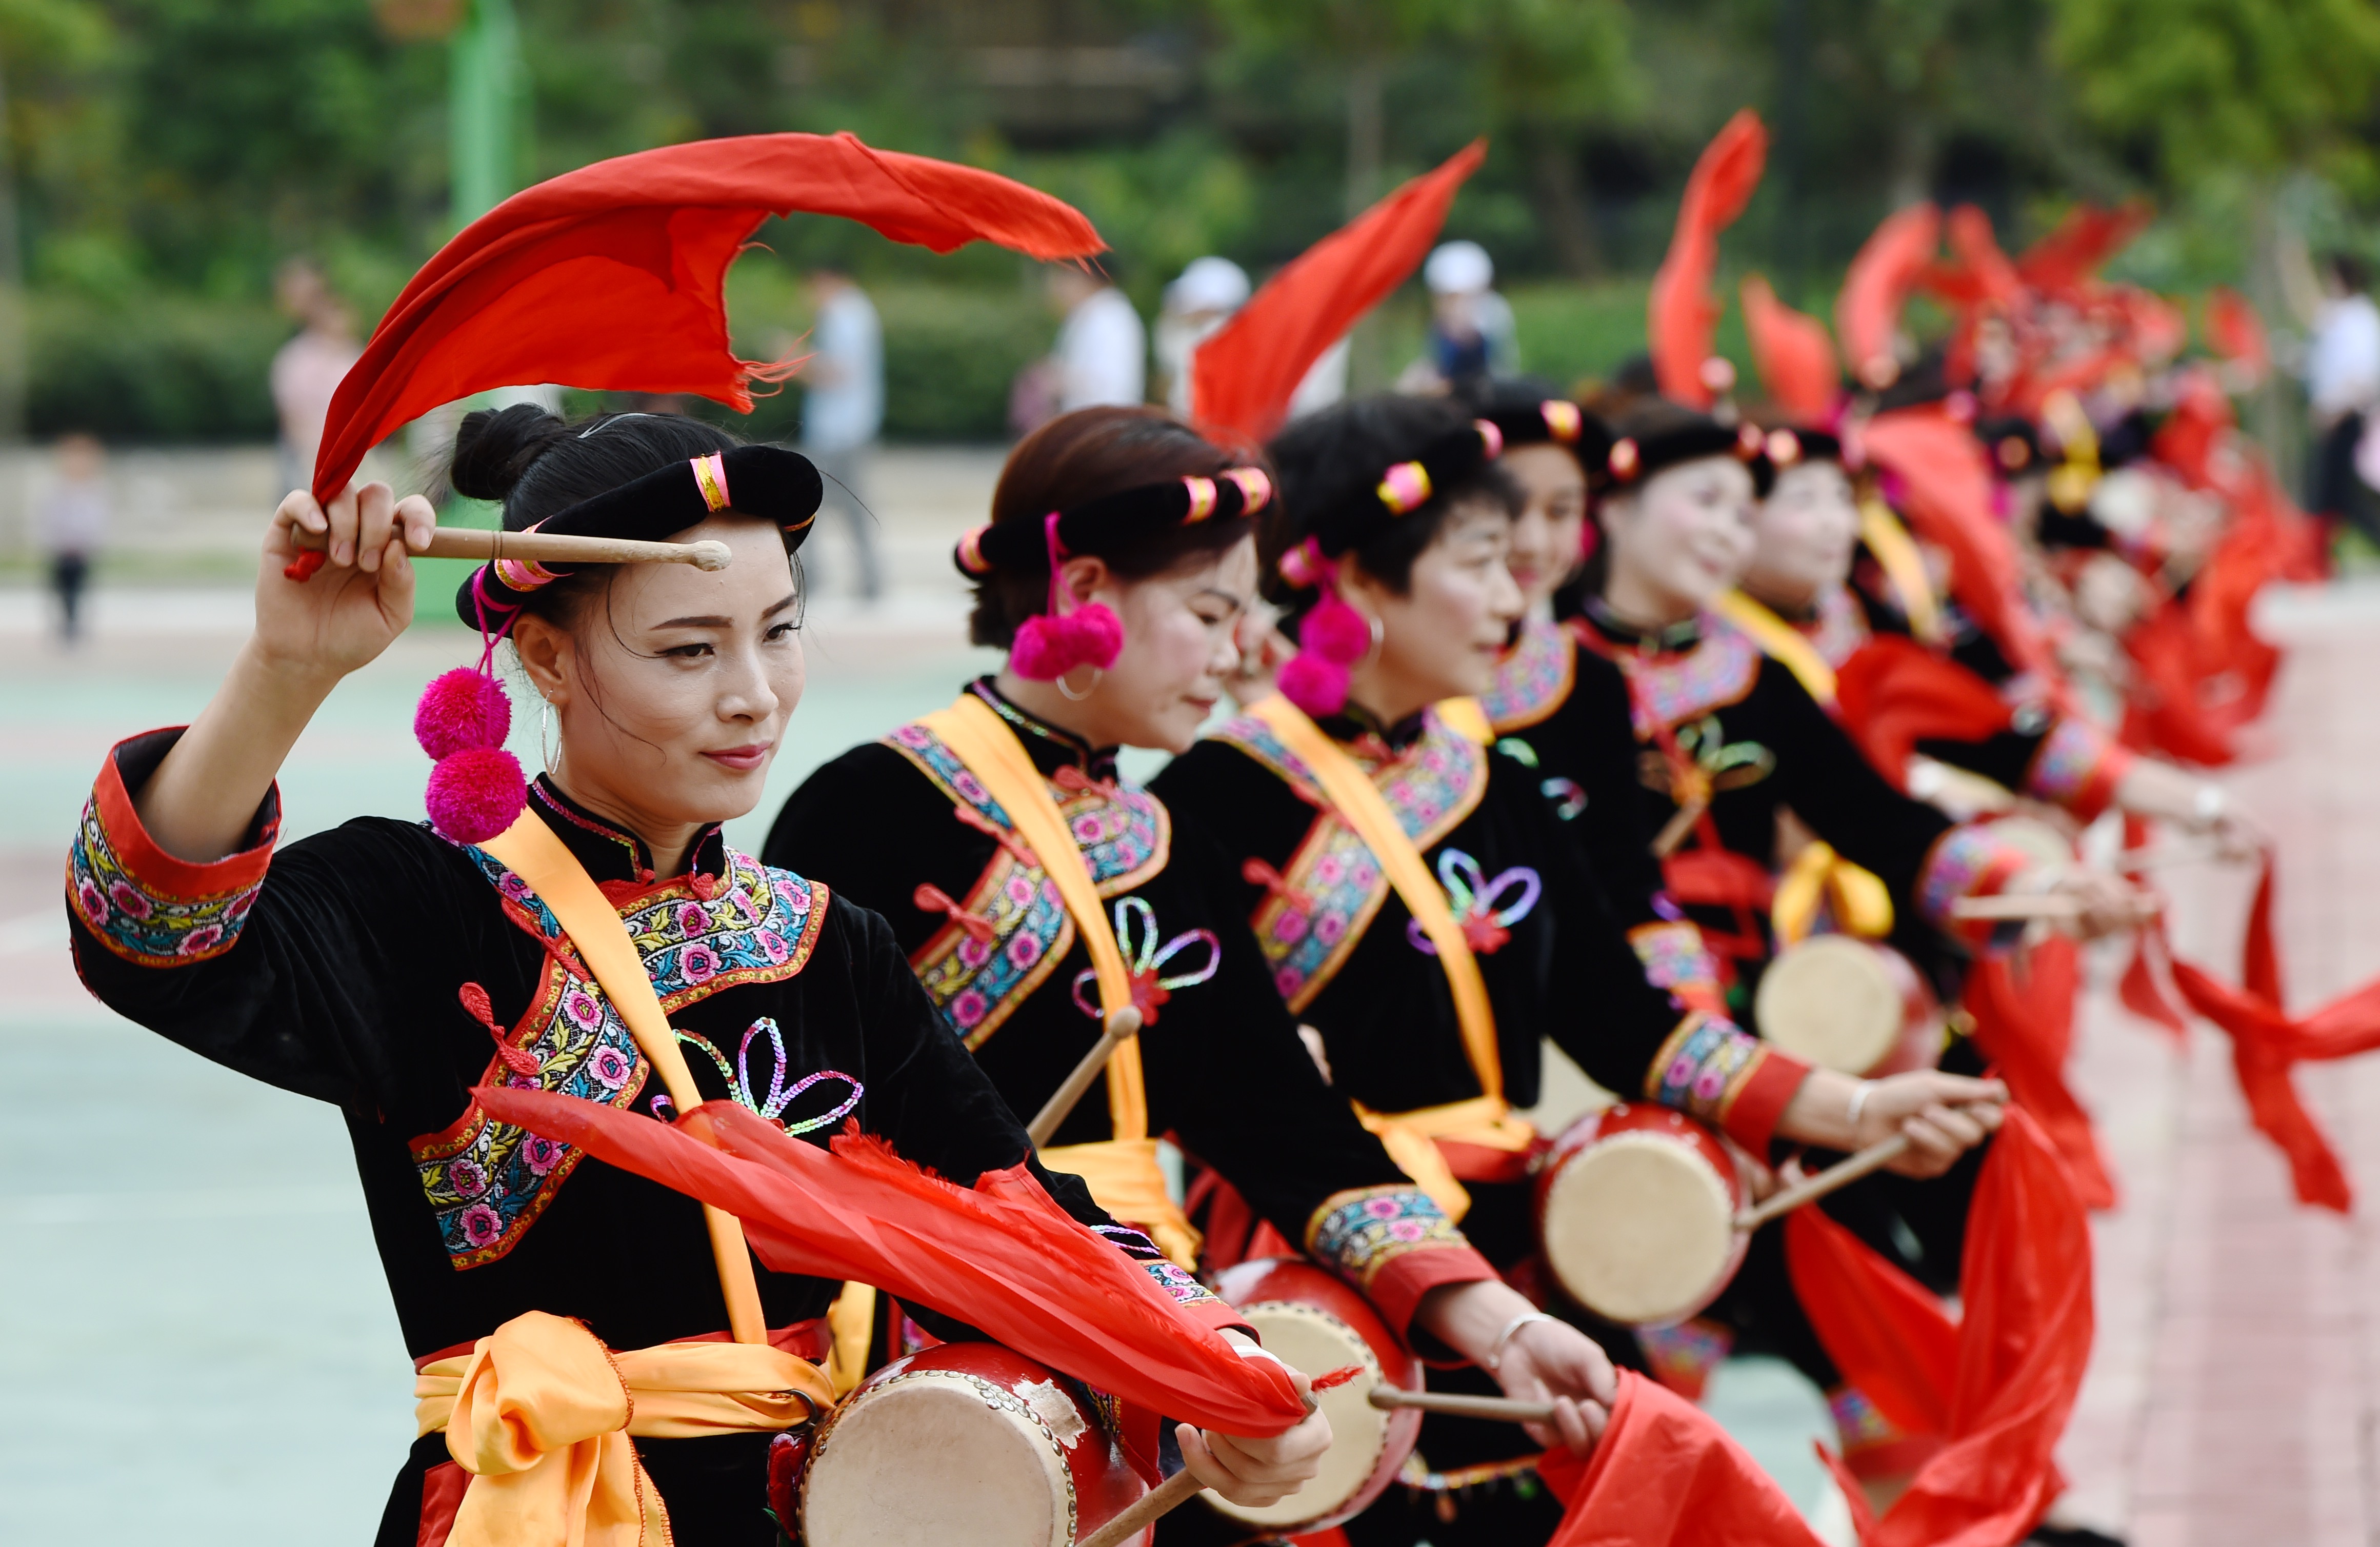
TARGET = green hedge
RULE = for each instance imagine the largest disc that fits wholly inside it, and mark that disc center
(153, 370)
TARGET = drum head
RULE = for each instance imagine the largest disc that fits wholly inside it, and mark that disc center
(1830, 1001)
(2043, 842)
(1309, 1338)
(937, 1458)
(1639, 1228)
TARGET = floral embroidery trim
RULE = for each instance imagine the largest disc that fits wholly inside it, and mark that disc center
(1674, 955)
(1357, 1232)
(977, 978)
(1474, 902)
(780, 1095)
(1333, 886)
(1136, 932)
(487, 1182)
(1968, 861)
(1534, 679)
(1705, 1063)
(1717, 670)
(2075, 766)
(1177, 1282)
(143, 904)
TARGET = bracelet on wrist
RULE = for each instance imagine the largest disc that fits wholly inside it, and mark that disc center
(1861, 1090)
(1495, 1359)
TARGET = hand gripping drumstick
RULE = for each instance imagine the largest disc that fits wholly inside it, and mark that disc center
(1121, 1027)
(474, 542)
(1883, 1153)
(1143, 1512)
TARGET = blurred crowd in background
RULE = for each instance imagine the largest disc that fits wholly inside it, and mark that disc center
(205, 207)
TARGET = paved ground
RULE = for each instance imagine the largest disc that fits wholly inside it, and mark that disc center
(191, 1317)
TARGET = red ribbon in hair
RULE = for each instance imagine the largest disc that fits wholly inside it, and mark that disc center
(999, 1255)
(609, 277)
(1681, 316)
(1243, 377)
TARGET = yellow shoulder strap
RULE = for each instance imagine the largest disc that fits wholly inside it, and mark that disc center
(973, 729)
(1895, 552)
(1782, 641)
(1359, 804)
(1467, 718)
(530, 849)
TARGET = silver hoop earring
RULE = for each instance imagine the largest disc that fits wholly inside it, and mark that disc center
(1098, 675)
(1379, 633)
(544, 730)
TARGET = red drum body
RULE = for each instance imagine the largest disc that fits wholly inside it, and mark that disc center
(1636, 1209)
(1854, 1006)
(967, 1443)
(1316, 1323)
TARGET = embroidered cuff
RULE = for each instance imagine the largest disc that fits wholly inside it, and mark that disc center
(1677, 960)
(141, 902)
(1394, 1244)
(1968, 861)
(2078, 766)
(1716, 1072)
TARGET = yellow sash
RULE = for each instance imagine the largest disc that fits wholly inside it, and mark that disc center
(1862, 903)
(1467, 718)
(542, 1415)
(1782, 641)
(530, 849)
(1484, 1120)
(1895, 552)
(1136, 1191)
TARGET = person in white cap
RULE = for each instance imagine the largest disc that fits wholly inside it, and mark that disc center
(1471, 333)
(1102, 354)
(1200, 301)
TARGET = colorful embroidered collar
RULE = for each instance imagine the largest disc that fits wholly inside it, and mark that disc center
(1051, 746)
(1667, 639)
(610, 852)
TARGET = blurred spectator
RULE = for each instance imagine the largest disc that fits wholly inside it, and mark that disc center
(1202, 300)
(71, 520)
(843, 407)
(1471, 332)
(1102, 354)
(307, 369)
(2343, 387)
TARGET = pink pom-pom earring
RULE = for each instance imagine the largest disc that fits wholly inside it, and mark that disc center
(1050, 646)
(1332, 637)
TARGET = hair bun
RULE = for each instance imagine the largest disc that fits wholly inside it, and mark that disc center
(494, 448)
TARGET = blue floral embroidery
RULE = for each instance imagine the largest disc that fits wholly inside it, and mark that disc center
(978, 976)
(1719, 671)
(1705, 1063)
(1358, 1233)
(138, 921)
(1176, 1281)
(1333, 887)
(1534, 679)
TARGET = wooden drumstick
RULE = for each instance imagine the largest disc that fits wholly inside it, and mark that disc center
(1458, 1406)
(1123, 1026)
(478, 543)
(2027, 906)
(1177, 1491)
(1883, 1153)
(2134, 861)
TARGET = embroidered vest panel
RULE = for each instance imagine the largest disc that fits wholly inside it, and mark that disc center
(487, 1182)
(1718, 671)
(1333, 886)
(1534, 680)
(1125, 837)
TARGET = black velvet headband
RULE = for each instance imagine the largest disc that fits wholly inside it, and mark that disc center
(765, 481)
(1408, 486)
(1632, 459)
(1151, 507)
(1556, 421)
(1788, 446)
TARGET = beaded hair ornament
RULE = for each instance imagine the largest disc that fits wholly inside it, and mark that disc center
(1333, 636)
(477, 789)
(1054, 643)
(1634, 458)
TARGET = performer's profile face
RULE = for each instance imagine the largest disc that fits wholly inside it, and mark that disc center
(1546, 535)
(1443, 633)
(1685, 535)
(672, 685)
(1806, 532)
(1180, 645)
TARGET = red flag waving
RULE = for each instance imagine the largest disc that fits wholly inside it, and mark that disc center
(1791, 352)
(1667, 1475)
(1242, 378)
(1682, 318)
(1895, 693)
(1887, 267)
(609, 277)
(1001, 1255)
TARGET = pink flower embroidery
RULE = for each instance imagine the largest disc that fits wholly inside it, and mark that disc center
(128, 902)
(1408, 1230)
(1328, 927)
(1384, 1208)
(610, 1066)
(541, 1153)
(1287, 982)
(968, 1009)
(974, 952)
(467, 1178)
(692, 920)
(198, 942)
(482, 1225)
(1019, 891)
(1087, 829)
(1327, 870)
(93, 902)
(700, 963)
(1024, 950)
(773, 945)
(579, 1006)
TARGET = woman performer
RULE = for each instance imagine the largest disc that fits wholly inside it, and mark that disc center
(389, 969)
(1156, 530)
(1805, 575)
(1413, 893)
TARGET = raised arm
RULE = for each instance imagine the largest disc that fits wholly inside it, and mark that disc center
(200, 801)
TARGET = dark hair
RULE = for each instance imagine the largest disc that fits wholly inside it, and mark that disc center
(2351, 272)
(1337, 456)
(537, 466)
(1086, 455)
